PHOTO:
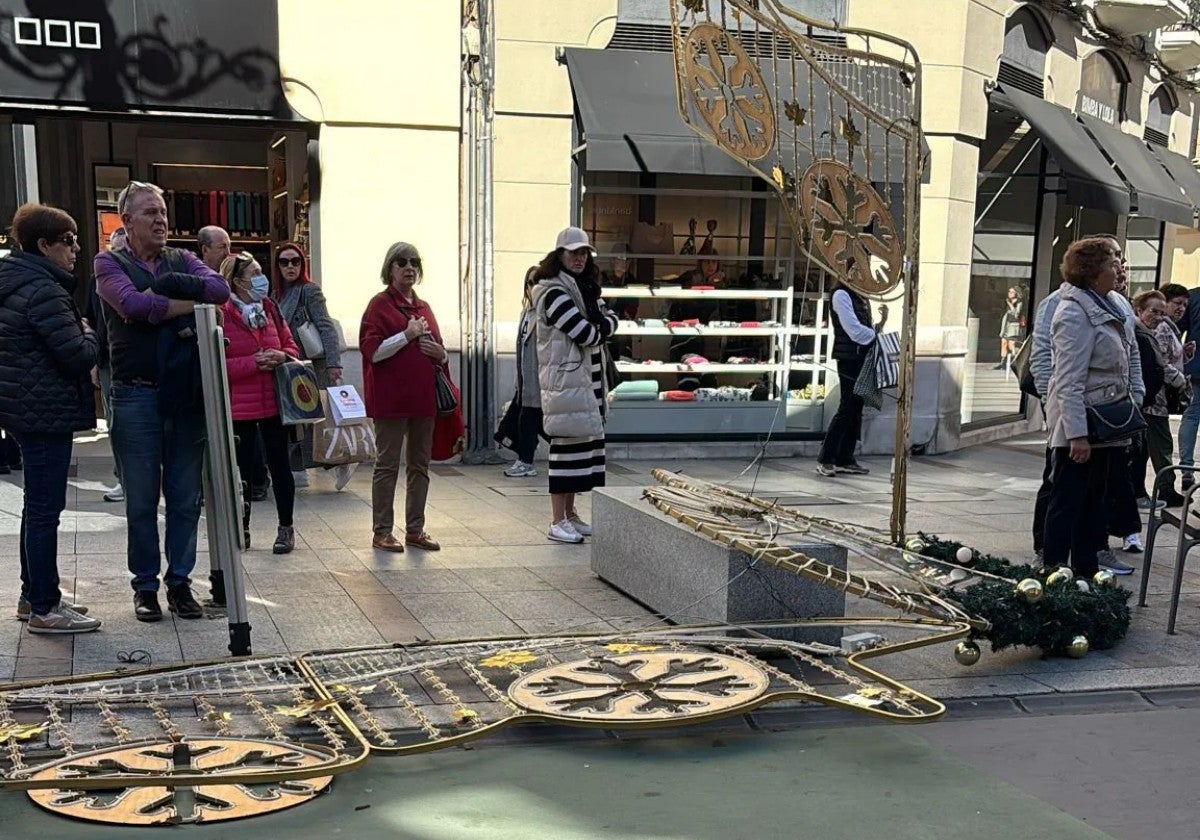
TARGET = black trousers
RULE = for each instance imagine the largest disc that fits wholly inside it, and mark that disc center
(1042, 502)
(1077, 515)
(1139, 459)
(259, 476)
(1123, 516)
(275, 446)
(846, 426)
(529, 426)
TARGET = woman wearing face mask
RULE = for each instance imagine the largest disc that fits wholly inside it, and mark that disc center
(258, 341)
(302, 302)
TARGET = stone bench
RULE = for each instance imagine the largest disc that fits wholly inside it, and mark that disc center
(675, 571)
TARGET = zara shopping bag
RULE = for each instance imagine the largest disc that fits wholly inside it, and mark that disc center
(335, 445)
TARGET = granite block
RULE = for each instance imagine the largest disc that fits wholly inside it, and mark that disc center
(682, 575)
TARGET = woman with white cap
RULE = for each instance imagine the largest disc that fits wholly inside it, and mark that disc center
(573, 324)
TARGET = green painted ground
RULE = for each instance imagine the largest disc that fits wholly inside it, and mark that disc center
(868, 782)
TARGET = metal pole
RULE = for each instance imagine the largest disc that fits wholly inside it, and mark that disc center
(914, 167)
(222, 485)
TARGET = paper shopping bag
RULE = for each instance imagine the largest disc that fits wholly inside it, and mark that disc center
(346, 407)
(335, 445)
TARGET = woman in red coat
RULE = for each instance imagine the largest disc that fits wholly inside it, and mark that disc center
(401, 347)
(258, 341)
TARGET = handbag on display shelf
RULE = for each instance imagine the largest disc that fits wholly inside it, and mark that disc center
(297, 393)
(652, 239)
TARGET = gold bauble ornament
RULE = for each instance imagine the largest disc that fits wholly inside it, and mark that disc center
(1078, 647)
(915, 544)
(1104, 578)
(1030, 590)
(1061, 575)
(966, 652)
(965, 556)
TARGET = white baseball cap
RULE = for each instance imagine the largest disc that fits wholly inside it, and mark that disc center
(572, 239)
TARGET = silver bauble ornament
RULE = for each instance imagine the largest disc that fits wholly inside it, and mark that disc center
(965, 556)
(1104, 578)
(966, 652)
(1078, 647)
(1082, 585)
(1061, 575)
(915, 544)
(1030, 590)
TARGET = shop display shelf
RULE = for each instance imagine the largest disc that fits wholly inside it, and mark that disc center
(649, 418)
(679, 367)
(676, 293)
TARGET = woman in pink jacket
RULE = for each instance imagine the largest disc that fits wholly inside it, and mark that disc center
(258, 341)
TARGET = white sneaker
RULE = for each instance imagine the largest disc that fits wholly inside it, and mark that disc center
(342, 475)
(564, 532)
(521, 470)
(582, 528)
(300, 477)
(62, 620)
(115, 494)
(1133, 544)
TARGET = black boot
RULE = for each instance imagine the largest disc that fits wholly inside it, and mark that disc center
(285, 540)
(245, 516)
(181, 602)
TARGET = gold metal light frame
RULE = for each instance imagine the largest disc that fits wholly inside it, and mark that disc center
(748, 73)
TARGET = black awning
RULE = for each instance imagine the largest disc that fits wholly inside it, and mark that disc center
(627, 107)
(1155, 193)
(1088, 177)
(1182, 171)
(625, 100)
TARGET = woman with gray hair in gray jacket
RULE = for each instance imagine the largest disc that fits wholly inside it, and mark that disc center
(1091, 340)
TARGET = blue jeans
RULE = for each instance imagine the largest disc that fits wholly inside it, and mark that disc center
(158, 452)
(1188, 425)
(47, 465)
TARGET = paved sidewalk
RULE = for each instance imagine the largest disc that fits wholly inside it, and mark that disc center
(497, 574)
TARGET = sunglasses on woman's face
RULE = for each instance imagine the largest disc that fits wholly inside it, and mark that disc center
(415, 262)
(68, 239)
(290, 262)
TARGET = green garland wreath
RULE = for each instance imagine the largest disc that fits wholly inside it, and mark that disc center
(1101, 614)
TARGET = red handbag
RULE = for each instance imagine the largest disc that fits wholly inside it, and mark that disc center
(449, 433)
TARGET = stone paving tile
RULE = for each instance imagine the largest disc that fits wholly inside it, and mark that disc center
(1123, 678)
(997, 686)
(407, 582)
(317, 584)
(33, 668)
(542, 605)
(570, 577)
(452, 607)
(472, 629)
(565, 626)
(503, 579)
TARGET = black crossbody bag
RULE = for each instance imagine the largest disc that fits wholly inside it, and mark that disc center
(1117, 420)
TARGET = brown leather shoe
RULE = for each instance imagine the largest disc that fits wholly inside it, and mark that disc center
(386, 542)
(422, 540)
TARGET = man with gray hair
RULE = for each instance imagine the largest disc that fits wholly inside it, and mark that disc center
(214, 245)
(149, 293)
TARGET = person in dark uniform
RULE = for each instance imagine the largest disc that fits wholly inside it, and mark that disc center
(852, 337)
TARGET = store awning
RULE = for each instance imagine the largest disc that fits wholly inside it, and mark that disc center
(630, 122)
(1155, 193)
(1089, 178)
(1182, 170)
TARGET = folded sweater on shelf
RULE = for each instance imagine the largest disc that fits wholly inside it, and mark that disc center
(677, 396)
(726, 393)
(638, 386)
(634, 396)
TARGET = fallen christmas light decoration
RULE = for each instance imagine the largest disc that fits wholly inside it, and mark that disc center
(198, 744)
(1008, 605)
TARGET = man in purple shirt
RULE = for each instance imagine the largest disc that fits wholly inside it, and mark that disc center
(149, 293)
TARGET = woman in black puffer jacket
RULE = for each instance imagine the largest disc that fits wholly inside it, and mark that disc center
(47, 352)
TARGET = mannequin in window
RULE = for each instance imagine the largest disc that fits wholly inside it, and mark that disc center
(619, 275)
(1012, 327)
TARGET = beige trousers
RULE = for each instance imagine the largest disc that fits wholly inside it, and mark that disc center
(389, 437)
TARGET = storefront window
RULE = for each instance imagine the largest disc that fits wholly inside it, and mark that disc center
(1102, 88)
(1143, 250)
(1002, 271)
(723, 327)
